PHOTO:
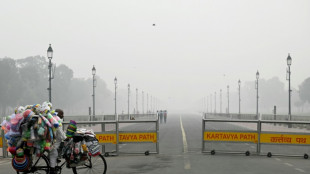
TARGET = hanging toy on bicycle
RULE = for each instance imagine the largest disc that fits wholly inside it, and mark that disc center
(29, 132)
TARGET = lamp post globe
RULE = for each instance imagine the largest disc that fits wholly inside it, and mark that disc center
(94, 70)
(257, 75)
(289, 60)
(50, 52)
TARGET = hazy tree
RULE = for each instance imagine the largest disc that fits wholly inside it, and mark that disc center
(25, 81)
(77, 101)
(271, 92)
(10, 87)
(304, 90)
(34, 79)
(61, 86)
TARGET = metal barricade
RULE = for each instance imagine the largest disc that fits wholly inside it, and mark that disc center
(89, 117)
(228, 134)
(112, 135)
(279, 138)
(131, 133)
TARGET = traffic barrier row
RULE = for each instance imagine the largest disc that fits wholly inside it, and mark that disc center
(249, 134)
(110, 133)
(110, 117)
(262, 116)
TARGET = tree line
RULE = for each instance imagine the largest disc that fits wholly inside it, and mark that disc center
(25, 81)
(272, 92)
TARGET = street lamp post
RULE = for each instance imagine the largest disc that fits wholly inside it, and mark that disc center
(207, 104)
(128, 98)
(289, 63)
(50, 56)
(137, 100)
(155, 104)
(204, 104)
(151, 104)
(142, 102)
(239, 83)
(211, 103)
(256, 87)
(115, 83)
(94, 85)
(215, 102)
(147, 103)
(227, 99)
(220, 101)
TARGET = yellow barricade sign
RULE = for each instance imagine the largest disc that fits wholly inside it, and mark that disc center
(138, 137)
(231, 136)
(127, 137)
(1, 142)
(285, 138)
(106, 138)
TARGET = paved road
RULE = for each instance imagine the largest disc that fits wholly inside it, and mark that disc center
(180, 152)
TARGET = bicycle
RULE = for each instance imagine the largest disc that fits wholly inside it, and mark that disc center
(93, 164)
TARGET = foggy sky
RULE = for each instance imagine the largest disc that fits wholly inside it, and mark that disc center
(195, 48)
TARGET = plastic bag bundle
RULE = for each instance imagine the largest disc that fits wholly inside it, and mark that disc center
(82, 144)
(90, 140)
(74, 151)
(92, 145)
(31, 128)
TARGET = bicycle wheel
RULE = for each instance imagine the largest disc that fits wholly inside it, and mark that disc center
(40, 165)
(94, 164)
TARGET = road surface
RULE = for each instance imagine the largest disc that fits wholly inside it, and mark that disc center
(180, 152)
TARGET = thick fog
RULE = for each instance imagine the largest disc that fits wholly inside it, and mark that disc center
(177, 51)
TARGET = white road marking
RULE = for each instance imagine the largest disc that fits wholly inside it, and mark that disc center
(184, 137)
(288, 164)
(300, 170)
(278, 159)
(187, 164)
